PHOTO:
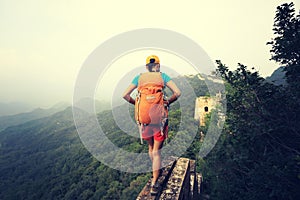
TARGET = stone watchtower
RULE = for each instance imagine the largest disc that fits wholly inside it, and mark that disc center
(204, 105)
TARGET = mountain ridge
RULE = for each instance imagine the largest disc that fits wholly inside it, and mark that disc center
(277, 77)
(11, 120)
(13, 108)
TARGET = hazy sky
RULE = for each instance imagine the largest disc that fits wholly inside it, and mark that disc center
(43, 44)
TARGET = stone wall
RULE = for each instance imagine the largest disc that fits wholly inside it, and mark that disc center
(178, 181)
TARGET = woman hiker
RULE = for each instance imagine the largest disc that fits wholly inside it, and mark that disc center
(154, 135)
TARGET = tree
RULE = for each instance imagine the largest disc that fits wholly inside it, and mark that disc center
(257, 157)
(286, 44)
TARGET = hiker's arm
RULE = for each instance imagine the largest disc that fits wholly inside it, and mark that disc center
(126, 94)
(175, 90)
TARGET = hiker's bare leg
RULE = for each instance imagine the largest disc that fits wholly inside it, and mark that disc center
(156, 163)
(150, 148)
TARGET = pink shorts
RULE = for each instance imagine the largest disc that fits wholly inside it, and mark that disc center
(154, 132)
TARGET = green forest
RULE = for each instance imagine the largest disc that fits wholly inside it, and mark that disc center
(256, 157)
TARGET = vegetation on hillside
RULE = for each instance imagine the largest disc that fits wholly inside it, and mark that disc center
(45, 158)
(258, 156)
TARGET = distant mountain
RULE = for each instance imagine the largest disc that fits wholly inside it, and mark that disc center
(11, 120)
(13, 108)
(277, 77)
(89, 105)
(45, 159)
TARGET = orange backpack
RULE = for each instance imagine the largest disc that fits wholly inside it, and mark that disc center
(149, 106)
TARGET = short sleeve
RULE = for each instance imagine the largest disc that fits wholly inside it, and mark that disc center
(135, 81)
(165, 77)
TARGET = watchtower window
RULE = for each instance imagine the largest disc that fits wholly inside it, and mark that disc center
(206, 109)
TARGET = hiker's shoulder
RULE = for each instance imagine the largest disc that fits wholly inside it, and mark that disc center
(136, 79)
(165, 77)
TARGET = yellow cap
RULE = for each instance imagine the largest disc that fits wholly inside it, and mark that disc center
(152, 59)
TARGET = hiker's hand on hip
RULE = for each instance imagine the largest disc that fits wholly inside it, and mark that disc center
(166, 103)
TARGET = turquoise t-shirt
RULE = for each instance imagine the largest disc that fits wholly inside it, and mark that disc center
(164, 76)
